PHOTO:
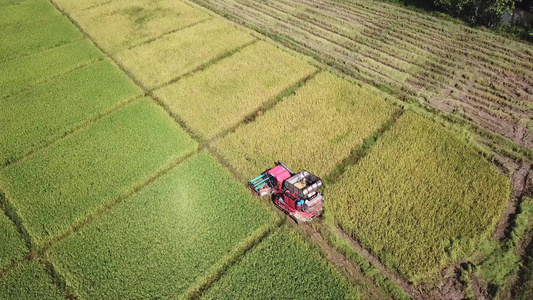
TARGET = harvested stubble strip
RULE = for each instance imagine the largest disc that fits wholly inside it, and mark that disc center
(18, 40)
(28, 281)
(58, 187)
(175, 54)
(12, 245)
(74, 5)
(219, 97)
(158, 242)
(421, 199)
(29, 12)
(32, 119)
(23, 73)
(314, 129)
(121, 24)
(282, 266)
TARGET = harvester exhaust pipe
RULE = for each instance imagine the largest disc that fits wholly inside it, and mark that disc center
(280, 163)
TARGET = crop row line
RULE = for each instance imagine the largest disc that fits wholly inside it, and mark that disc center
(95, 6)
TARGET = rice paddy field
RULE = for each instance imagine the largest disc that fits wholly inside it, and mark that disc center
(129, 131)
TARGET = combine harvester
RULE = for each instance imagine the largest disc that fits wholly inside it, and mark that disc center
(295, 193)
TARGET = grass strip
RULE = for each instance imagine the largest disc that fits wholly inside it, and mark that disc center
(220, 96)
(158, 242)
(58, 186)
(24, 73)
(24, 39)
(419, 186)
(52, 109)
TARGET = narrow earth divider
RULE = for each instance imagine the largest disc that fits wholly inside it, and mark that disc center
(57, 278)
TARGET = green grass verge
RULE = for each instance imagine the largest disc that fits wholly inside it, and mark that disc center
(282, 266)
(420, 199)
(60, 185)
(28, 281)
(314, 129)
(13, 246)
(24, 39)
(156, 243)
(22, 73)
(179, 53)
(222, 95)
(28, 12)
(31, 119)
(135, 21)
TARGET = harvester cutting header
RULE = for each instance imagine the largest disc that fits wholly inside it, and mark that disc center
(295, 193)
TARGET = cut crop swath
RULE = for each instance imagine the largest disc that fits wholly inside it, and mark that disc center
(13, 246)
(28, 281)
(133, 22)
(222, 95)
(22, 73)
(421, 199)
(314, 129)
(33, 118)
(18, 40)
(57, 187)
(282, 267)
(158, 242)
(176, 54)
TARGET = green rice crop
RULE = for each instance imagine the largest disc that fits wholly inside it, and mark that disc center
(13, 246)
(156, 243)
(73, 5)
(28, 281)
(282, 266)
(314, 129)
(420, 199)
(181, 52)
(33, 118)
(8, 3)
(28, 12)
(21, 73)
(24, 39)
(223, 94)
(124, 23)
(60, 185)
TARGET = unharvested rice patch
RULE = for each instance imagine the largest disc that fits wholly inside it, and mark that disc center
(125, 23)
(28, 281)
(31, 119)
(24, 39)
(159, 241)
(181, 52)
(60, 185)
(421, 199)
(74, 5)
(281, 267)
(22, 73)
(28, 12)
(221, 96)
(314, 129)
(12, 246)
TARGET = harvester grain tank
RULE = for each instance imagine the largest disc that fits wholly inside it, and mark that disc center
(295, 193)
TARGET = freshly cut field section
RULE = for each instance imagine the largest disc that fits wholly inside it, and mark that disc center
(176, 54)
(158, 242)
(13, 247)
(121, 24)
(22, 73)
(18, 40)
(420, 199)
(58, 186)
(282, 267)
(28, 12)
(223, 94)
(73, 5)
(33, 118)
(314, 129)
(28, 281)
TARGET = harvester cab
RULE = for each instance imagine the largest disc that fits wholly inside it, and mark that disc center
(295, 193)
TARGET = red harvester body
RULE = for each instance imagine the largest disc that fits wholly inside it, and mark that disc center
(295, 193)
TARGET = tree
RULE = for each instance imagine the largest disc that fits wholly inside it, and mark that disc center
(479, 12)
